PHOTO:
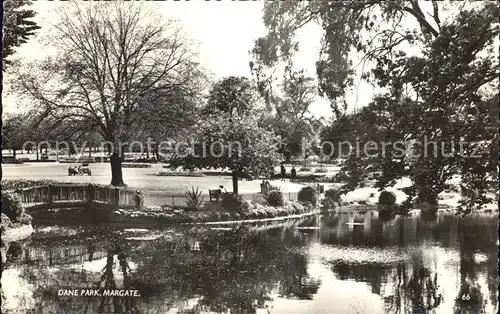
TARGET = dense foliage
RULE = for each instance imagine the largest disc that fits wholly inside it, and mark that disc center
(387, 198)
(232, 202)
(194, 198)
(438, 82)
(275, 198)
(13, 208)
(236, 143)
(308, 194)
(334, 195)
(17, 26)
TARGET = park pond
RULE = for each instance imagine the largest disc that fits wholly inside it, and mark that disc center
(339, 263)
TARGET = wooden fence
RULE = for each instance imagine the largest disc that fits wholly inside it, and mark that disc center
(76, 195)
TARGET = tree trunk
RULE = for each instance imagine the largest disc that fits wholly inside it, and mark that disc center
(235, 182)
(157, 153)
(37, 156)
(90, 151)
(288, 157)
(116, 170)
(147, 153)
(14, 153)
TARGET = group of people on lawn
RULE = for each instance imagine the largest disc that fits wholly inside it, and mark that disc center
(293, 173)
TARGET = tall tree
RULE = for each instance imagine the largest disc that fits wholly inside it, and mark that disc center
(233, 95)
(162, 116)
(373, 29)
(17, 26)
(293, 120)
(236, 143)
(113, 56)
(439, 93)
(14, 131)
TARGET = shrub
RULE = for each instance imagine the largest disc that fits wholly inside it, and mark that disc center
(387, 198)
(233, 202)
(260, 214)
(275, 198)
(13, 208)
(328, 203)
(236, 216)
(334, 195)
(21, 183)
(284, 211)
(270, 213)
(185, 218)
(165, 219)
(194, 198)
(306, 208)
(225, 216)
(321, 170)
(204, 216)
(306, 169)
(372, 194)
(214, 216)
(308, 194)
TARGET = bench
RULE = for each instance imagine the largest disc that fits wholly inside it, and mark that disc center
(214, 194)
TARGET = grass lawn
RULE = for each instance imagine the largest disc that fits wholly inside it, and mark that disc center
(158, 188)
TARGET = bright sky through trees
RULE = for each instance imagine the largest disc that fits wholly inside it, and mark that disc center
(224, 31)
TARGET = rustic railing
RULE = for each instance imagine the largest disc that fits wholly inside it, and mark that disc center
(76, 194)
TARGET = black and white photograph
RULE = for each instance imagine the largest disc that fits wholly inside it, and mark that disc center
(250, 157)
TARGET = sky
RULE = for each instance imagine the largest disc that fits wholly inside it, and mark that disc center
(225, 32)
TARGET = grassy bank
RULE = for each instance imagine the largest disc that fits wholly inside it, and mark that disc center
(165, 215)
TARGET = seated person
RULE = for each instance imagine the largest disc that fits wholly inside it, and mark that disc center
(222, 189)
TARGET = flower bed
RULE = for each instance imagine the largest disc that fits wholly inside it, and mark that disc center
(321, 170)
(72, 160)
(135, 165)
(169, 173)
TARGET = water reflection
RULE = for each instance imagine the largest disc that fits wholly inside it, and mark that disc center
(440, 264)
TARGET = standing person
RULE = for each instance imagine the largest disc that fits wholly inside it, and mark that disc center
(283, 172)
(138, 199)
(293, 172)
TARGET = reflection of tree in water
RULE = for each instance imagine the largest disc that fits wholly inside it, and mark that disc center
(116, 304)
(371, 273)
(470, 298)
(415, 289)
(49, 267)
(300, 286)
(232, 271)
